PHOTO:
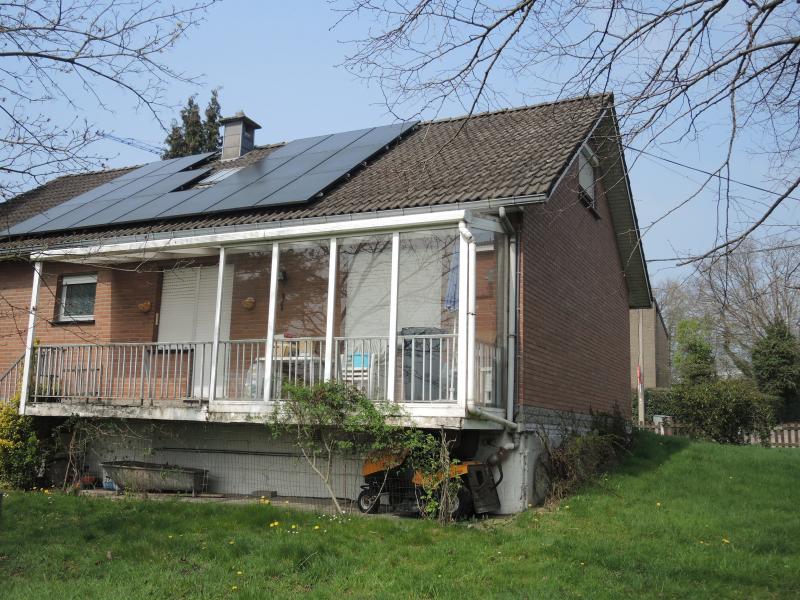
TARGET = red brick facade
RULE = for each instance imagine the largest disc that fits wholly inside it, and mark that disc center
(573, 350)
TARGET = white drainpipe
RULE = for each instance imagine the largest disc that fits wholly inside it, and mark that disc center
(477, 411)
(511, 341)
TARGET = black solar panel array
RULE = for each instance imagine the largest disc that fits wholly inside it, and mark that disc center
(292, 174)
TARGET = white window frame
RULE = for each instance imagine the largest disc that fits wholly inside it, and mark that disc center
(66, 281)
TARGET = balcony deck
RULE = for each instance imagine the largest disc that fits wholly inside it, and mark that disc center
(174, 381)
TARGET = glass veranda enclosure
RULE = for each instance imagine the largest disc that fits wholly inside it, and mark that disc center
(415, 316)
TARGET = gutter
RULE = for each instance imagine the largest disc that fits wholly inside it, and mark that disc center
(493, 203)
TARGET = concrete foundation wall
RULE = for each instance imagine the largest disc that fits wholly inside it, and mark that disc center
(240, 458)
(246, 459)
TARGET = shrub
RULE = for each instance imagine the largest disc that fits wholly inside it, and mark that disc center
(330, 419)
(657, 401)
(581, 459)
(21, 454)
(724, 411)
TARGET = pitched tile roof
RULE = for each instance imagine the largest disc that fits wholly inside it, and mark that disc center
(510, 153)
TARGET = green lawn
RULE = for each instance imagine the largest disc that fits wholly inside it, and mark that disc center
(677, 520)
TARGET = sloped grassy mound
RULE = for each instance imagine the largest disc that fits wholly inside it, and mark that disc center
(677, 519)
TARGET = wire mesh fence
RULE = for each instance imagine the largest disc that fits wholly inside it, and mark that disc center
(237, 462)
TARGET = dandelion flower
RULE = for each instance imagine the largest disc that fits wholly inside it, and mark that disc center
(726, 541)
(316, 526)
(658, 504)
(294, 526)
(234, 588)
(232, 542)
(239, 573)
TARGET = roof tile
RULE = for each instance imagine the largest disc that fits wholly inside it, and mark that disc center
(509, 153)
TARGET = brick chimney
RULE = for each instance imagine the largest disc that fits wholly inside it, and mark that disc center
(238, 136)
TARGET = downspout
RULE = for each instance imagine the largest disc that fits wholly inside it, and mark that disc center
(511, 341)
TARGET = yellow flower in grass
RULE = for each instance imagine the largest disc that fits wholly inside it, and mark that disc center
(232, 542)
(726, 541)
(239, 573)
(316, 526)
(234, 588)
(658, 504)
(294, 526)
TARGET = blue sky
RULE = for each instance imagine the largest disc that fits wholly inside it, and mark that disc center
(277, 61)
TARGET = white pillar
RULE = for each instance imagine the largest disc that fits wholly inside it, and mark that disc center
(471, 378)
(273, 291)
(329, 323)
(393, 291)
(463, 309)
(212, 384)
(26, 368)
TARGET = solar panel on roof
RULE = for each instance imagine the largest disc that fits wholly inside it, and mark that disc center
(294, 173)
(60, 217)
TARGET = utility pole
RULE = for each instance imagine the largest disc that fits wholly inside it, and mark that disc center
(639, 373)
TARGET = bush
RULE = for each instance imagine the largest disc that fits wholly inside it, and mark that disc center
(657, 401)
(725, 411)
(21, 454)
(581, 459)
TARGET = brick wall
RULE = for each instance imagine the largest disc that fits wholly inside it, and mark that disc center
(574, 338)
(15, 296)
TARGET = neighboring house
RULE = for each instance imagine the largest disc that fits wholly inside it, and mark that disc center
(650, 348)
(481, 280)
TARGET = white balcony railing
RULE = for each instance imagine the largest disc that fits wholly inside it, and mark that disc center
(125, 373)
(428, 367)
(152, 373)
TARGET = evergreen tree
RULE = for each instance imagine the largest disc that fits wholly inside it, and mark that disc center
(194, 135)
(694, 356)
(213, 141)
(776, 364)
(176, 145)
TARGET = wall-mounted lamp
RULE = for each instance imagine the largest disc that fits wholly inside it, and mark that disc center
(145, 307)
(248, 303)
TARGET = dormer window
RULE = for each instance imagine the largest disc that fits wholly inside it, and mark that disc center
(587, 175)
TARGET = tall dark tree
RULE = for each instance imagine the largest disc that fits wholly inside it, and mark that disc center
(776, 364)
(694, 358)
(211, 125)
(194, 135)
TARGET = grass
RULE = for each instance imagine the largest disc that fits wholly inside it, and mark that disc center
(676, 520)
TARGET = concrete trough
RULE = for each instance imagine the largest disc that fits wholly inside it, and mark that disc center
(140, 476)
